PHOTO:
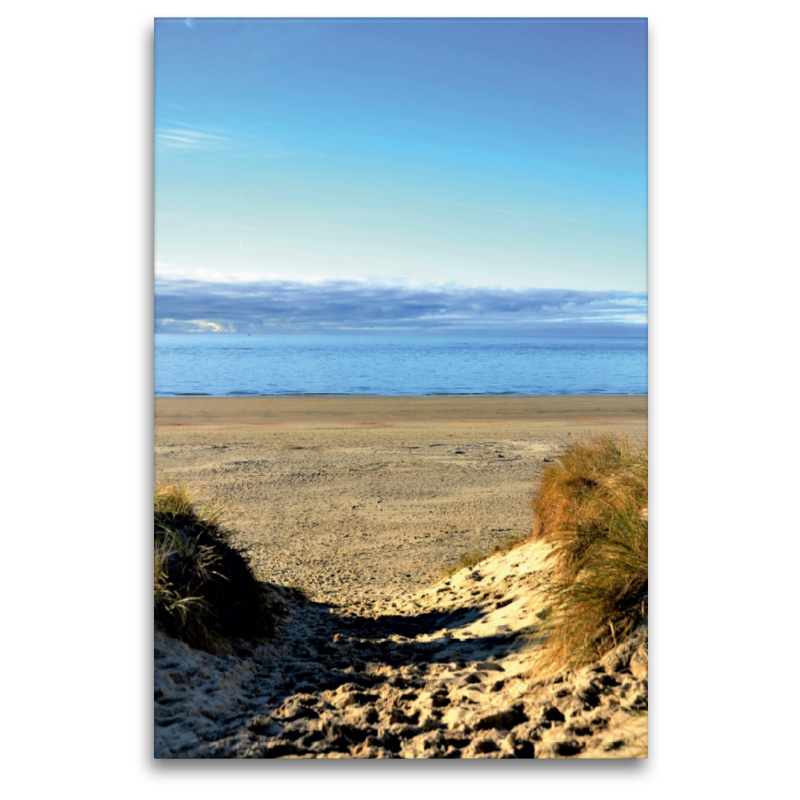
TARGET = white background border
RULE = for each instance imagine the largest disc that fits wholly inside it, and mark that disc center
(77, 249)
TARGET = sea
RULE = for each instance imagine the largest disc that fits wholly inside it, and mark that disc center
(240, 365)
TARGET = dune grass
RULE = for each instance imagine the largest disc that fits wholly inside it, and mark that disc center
(203, 589)
(474, 557)
(591, 507)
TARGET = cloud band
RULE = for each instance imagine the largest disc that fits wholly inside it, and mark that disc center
(191, 305)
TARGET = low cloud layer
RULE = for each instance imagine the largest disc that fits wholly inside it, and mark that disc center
(190, 305)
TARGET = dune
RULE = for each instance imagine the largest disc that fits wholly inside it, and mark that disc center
(390, 657)
(447, 672)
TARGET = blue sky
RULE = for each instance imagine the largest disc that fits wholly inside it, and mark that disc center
(483, 164)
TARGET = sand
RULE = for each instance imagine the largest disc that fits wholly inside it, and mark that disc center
(447, 672)
(358, 498)
(365, 503)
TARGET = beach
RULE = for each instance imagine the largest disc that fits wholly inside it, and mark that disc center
(367, 497)
(359, 510)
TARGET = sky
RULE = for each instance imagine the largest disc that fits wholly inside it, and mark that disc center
(400, 174)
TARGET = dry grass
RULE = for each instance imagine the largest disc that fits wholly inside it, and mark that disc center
(203, 589)
(474, 557)
(592, 508)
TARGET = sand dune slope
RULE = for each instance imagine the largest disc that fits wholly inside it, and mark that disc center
(446, 672)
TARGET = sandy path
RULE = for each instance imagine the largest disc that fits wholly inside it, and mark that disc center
(365, 502)
(363, 498)
(448, 672)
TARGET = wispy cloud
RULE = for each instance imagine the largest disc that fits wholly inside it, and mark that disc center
(267, 304)
(188, 138)
(194, 326)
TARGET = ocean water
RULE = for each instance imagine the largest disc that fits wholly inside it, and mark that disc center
(241, 365)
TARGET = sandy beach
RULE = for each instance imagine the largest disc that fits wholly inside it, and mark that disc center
(365, 497)
(365, 503)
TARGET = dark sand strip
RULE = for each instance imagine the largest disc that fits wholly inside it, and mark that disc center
(360, 410)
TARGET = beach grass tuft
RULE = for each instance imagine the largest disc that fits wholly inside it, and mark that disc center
(203, 589)
(591, 507)
(474, 557)
(467, 561)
